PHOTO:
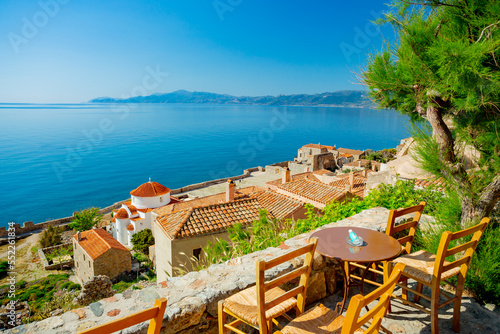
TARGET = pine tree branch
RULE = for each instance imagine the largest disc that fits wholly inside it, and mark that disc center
(482, 32)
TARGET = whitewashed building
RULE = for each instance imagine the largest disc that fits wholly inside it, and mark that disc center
(135, 215)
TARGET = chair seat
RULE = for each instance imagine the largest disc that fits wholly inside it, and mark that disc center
(244, 304)
(319, 319)
(420, 266)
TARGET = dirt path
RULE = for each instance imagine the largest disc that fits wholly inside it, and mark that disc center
(28, 265)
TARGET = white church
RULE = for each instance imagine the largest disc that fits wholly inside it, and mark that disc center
(135, 215)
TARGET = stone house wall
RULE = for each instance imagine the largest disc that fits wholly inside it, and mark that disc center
(112, 263)
(84, 269)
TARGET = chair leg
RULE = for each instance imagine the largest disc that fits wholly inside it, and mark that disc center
(420, 286)
(435, 308)
(387, 272)
(222, 318)
(457, 303)
(404, 292)
(270, 326)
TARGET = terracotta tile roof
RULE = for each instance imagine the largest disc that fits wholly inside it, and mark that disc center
(320, 146)
(133, 209)
(207, 200)
(294, 177)
(209, 219)
(358, 188)
(130, 227)
(121, 214)
(280, 206)
(349, 151)
(437, 183)
(150, 189)
(347, 155)
(96, 242)
(312, 190)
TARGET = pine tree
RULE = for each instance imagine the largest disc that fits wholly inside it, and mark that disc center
(444, 68)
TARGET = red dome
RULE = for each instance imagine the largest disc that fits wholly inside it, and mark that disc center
(150, 189)
(130, 227)
(121, 214)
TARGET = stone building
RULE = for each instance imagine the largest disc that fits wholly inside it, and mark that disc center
(356, 154)
(315, 157)
(183, 229)
(135, 215)
(96, 253)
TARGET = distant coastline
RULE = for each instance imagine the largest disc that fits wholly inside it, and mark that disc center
(346, 98)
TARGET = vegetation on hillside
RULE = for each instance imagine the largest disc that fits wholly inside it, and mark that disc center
(44, 295)
(86, 219)
(51, 236)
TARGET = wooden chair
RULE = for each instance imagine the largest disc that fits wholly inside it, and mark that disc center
(154, 313)
(429, 269)
(405, 234)
(324, 320)
(260, 305)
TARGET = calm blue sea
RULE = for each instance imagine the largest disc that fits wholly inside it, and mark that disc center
(56, 159)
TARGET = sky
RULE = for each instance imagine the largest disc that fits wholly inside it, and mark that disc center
(70, 51)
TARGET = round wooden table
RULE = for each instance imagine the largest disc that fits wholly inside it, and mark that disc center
(377, 246)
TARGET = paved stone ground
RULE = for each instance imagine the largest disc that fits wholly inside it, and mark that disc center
(475, 318)
(255, 179)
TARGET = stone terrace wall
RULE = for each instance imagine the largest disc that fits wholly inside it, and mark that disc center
(45, 262)
(246, 173)
(193, 298)
(30, 227)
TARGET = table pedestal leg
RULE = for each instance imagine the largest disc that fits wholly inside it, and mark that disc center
(346, 271)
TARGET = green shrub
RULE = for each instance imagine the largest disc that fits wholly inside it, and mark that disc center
(51, 237)
(142, 240)
(4, 268)
(86, 219)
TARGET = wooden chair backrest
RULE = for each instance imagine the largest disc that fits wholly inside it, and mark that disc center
(467, 249)
(406, 241)
(354, 321)
(154, 313)
(299, 291)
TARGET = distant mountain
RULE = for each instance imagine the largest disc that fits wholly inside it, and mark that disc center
(345, 98)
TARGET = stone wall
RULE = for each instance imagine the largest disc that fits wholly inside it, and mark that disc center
(193, 298)
(45, 262)
(246, 173)
(28, 227)
(113, 263)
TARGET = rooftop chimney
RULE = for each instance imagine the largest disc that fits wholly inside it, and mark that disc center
(78, 235)
(359, 163)
(230, 188)
(351, 181)
(306, 169)
(365, 173)
(286, 175)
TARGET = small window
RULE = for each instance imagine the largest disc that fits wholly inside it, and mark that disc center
(196, 253)
(161, 198)
(89, 264)
(83, 257)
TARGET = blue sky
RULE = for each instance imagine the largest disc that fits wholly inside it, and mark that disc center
(70, 51)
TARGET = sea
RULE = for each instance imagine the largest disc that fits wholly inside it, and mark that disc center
(59, 158)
